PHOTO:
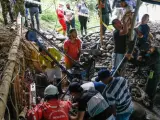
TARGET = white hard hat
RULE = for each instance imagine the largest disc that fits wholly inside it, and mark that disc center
(51, 90)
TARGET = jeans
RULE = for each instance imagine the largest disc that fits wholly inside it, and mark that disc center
(71, 23)
(105, 19)
(116, 59)
(34, 11)
(124, 116)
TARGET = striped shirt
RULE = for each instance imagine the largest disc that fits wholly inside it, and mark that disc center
(118, 93)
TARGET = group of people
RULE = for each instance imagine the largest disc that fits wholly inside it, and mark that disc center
(67, 17)
(120, 37)
(108, 98)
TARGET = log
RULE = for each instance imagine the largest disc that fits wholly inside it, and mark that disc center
(7, 76)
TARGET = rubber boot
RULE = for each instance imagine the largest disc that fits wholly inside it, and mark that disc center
(5, 19)
(82, 33)
(64, 33)
(59, 29)
(85, 32)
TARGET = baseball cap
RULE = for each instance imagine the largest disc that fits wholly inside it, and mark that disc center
(103, 74)
(75, 87)
(50, 90)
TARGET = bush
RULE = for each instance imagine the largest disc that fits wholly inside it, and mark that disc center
(49, 16)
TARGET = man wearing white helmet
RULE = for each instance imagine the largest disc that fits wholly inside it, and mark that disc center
(52, 108)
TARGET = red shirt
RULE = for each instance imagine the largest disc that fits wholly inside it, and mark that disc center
(73, 50)
(60, 13)
(51, 110)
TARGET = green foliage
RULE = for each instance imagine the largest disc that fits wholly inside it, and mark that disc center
(49, 16)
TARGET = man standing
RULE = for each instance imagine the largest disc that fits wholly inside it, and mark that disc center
(106, 10)
(6, 7)
(118, 94)
(120, 39)
(70, 19)
(34, 10)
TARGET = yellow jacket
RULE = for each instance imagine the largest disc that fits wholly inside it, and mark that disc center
(47, 62)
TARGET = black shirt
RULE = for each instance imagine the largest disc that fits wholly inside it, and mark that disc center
(119, 42)
(93, 101)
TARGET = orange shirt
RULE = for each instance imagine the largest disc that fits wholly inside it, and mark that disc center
(73, 50)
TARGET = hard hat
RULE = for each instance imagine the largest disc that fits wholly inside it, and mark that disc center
(61, 4)
(51, 90)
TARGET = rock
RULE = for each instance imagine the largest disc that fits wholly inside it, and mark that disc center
(60, 45)
(49, 36)
(158, 37)
(109, 54)
(109, 47)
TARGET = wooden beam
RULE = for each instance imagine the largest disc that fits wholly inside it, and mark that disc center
(100, 17)
(7, 75)
(134, 19)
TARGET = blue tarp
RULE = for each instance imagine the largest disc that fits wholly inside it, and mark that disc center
(152, 1)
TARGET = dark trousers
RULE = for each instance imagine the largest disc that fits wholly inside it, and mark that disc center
(34, 12)
(71, 23)
(105, 19)
(83, 22)
(6, 7)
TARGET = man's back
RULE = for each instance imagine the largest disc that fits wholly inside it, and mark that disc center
(118, 93)
(51, 110)
(93, 101)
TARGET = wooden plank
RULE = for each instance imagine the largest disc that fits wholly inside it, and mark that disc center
(7, 76)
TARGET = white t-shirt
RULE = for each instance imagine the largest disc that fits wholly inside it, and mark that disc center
(88, 86)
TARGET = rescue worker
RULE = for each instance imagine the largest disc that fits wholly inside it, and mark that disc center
(120, 42)
(118, 94)
(60, 15)
(53, 72)
(72, 47)
(97, 107)
(6, 7)
(52, 109)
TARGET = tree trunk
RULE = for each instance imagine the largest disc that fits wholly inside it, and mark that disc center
(7, 75)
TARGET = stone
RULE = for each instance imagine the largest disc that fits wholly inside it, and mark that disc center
(109, 47)
(158, 37)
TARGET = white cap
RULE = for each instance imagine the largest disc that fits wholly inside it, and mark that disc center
(51, 90)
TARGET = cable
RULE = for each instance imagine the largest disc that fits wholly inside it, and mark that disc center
(6, 107)
(16, 74)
